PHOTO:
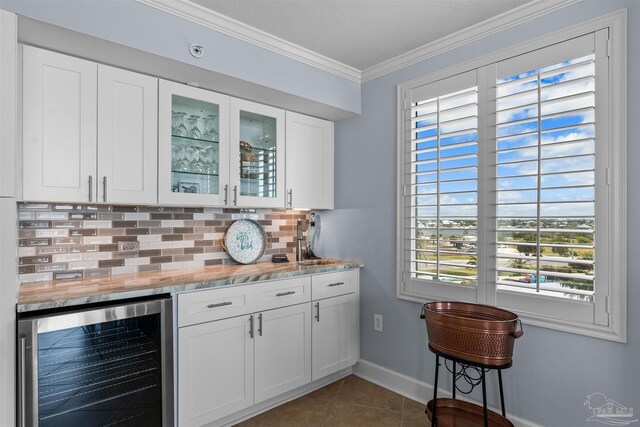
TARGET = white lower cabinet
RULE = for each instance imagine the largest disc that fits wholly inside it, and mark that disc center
(335, 335)
(282, 351)
(274, 343)
(215, 367)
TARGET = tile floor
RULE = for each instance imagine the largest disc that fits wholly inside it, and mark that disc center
(349, 402)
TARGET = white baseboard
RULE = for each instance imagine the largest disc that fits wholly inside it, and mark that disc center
(412, 388)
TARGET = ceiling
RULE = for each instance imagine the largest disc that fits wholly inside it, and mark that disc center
(361, 33)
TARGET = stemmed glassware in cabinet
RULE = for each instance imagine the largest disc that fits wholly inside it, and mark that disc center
(194, 132)
(210, 132)
(178, 128)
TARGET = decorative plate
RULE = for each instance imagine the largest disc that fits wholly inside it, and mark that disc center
(245, 241)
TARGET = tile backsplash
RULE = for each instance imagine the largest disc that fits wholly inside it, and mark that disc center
(64, 241)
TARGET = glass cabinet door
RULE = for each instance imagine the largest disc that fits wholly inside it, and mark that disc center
(193, 145)
(257, 159)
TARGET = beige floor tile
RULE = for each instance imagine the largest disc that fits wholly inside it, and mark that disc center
(409, 405)
(351, 415)
(302, 412)
(328, 392)
(415, 419)
(357, 391)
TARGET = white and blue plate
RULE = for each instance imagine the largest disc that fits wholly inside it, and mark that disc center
(245, 241)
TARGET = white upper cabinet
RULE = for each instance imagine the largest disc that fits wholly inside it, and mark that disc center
(127, 136)
(99, 134)
(257, 155)
(8, 113)
(59, 127)
(309, 162)
(89, 131)
(193, 158)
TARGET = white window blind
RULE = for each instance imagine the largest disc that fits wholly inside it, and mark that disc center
(546, 190)
(442, 182)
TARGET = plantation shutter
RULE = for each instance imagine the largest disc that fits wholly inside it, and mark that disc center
(550, 179)
(441, 188)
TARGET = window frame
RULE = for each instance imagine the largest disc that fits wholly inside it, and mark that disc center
(486, 291)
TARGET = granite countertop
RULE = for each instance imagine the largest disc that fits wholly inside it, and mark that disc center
(65, 293)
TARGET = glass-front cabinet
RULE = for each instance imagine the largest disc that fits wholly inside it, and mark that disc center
(257, 155)
(193, 146)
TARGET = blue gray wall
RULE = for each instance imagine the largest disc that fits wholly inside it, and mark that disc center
(553, 371)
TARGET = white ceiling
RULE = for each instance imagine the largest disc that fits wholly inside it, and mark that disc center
(361, 33)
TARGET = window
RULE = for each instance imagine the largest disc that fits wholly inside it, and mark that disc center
(444, 187)
(511, 184)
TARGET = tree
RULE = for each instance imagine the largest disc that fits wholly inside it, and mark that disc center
(520, 264)
(473, 261)
(560, 250)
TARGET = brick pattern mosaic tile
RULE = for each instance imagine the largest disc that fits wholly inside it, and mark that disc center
(65, 241)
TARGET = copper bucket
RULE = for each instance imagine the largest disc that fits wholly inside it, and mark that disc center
(473, 332)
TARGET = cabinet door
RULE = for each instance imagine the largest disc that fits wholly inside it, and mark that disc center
(59, 127)
(215, 370)
(282, 350)
(8, 113)
(257, 155)
(309, 162)
(193, 144)
(335, 334)
(127, 136)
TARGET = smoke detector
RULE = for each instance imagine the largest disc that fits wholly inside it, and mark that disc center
(196, 50)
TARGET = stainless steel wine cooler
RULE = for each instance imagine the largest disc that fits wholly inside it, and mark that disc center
(107, 366)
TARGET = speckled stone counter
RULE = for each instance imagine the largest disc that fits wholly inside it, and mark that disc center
(65, 293)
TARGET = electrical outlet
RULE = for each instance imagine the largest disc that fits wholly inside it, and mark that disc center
(128, 246)
(377, 322)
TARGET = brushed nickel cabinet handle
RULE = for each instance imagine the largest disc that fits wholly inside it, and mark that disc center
(226, 193)
(281, 294)
(260, 324)
(251, 326)
(22, 395)
(90, 187)
(335, 284)
(291, 197)
(317, 312)
(104, 189)
(235, 195)
(219, 304)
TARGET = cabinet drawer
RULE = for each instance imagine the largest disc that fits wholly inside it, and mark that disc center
(214, 304)
(281, 293)
(333, 284)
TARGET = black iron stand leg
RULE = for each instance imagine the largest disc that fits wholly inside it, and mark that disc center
(434, 420)
(484, 400)
(501, 392)
(454, 380)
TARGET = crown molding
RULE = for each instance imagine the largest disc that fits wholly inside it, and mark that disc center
(508, 19)
(206, 17)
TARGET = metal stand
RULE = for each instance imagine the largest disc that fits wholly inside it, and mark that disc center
(473, 374)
